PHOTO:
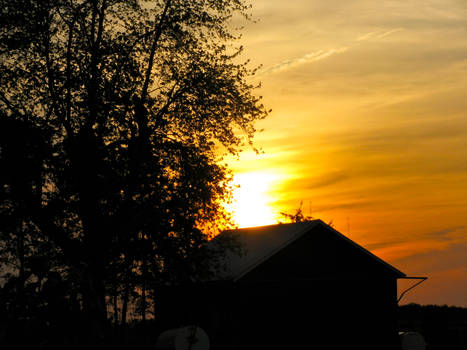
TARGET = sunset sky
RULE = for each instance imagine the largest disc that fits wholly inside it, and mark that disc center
(368, 128)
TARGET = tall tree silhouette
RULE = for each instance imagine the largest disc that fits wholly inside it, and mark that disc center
(117, 113)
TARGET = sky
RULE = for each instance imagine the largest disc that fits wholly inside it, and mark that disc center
(368, 130)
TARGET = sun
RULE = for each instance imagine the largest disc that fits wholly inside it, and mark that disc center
(252, 199)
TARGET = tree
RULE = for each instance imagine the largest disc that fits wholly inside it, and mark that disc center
(132, 104)
(298, 216)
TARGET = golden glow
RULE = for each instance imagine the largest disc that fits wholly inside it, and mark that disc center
(252, 200)
(368, 129)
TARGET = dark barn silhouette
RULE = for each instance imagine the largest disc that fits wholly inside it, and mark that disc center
(296, 286)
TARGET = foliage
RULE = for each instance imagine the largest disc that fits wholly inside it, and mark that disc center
(114, 115)
(298, 216)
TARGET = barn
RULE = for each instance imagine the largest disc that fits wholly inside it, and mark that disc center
(295, 286)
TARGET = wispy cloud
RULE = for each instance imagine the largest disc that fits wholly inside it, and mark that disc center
(445, 234)
(385, 34)
(366, 36)
(308, 58)
(379, 34)
(323, 180)
(323, 54)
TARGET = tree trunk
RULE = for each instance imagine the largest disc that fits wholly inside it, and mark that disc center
(143, 304)
(95, 309)
(21, 307)
(126, 296)
(143, 293)
(115, 302)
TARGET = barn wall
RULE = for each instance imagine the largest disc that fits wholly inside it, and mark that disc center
(334, 314)
(319, 292)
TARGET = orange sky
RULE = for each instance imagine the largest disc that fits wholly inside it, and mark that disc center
(368, 128)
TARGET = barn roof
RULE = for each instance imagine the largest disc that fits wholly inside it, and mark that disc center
(261, 243)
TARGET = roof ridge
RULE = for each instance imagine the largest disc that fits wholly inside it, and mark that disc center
(275, 250)
(356, 245)
(264, 242)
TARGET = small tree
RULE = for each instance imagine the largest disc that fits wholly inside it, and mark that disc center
(298, 216)
(132, 102)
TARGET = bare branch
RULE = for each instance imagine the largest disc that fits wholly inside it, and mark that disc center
(10, 106)
(157, 35)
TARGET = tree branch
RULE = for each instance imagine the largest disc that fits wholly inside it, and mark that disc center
(68, 72)
(95, 55)
(43, 219)
(10, 105)
(157, 35)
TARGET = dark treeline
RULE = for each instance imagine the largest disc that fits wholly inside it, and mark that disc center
(59, 324)
(443, 327)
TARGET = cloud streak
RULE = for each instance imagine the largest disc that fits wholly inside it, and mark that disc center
(379, 34)
(445, 234)
(324, 54)
(308, 58)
